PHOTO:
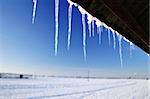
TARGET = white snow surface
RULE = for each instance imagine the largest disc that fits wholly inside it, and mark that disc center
(74, 88)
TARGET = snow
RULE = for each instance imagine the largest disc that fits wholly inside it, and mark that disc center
(34, 10)
(74, 88)
(56, 25)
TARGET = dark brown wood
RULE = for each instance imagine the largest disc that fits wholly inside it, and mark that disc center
(125, 22)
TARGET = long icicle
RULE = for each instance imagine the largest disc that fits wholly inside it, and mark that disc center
(34, 10)
(83, 12)
(84, 36)
(69, 22)
(120, 50)
(93, 28)
(56, 25)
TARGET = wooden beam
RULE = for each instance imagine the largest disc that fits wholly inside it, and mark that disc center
(138, 36)
(116, 7)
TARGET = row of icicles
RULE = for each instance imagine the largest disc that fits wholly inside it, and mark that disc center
(91, 22)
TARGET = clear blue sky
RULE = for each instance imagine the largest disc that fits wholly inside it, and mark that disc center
(29, 48)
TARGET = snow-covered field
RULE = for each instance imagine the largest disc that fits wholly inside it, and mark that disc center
(74, 88)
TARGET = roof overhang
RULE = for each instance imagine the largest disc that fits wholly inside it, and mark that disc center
(129, 17)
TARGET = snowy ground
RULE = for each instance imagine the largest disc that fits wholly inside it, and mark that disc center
(74, 88)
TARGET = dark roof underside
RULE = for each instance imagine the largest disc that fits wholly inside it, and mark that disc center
(129, 17)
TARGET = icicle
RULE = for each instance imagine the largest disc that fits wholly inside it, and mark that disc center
(113, 33)
(89, 26)
(83, 12)
(99, 28)
(56, 25)
(69, 21)
(114, 39)
(93, 28)
(84, 35)
(89, 18)
(120, 50)
(131, 45)
(34, 10)
(108, 35)
(99, 34)
(107, 29)
(131, 48)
